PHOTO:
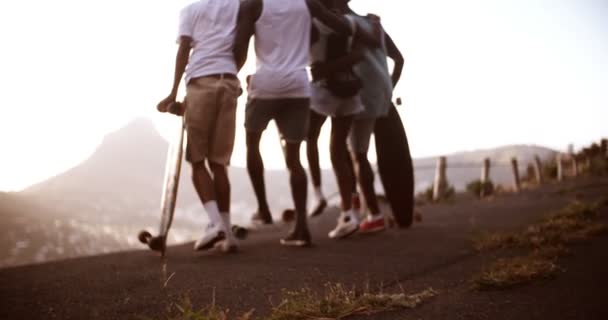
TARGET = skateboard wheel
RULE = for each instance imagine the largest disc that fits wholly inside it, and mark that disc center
(144, 236)
(156, 243)
(239, 232)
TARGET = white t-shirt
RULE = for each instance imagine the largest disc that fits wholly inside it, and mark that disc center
(282, 44)
(212, 26)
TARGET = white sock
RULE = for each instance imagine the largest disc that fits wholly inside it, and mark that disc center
(375, 217)
(319, 194)
(226, 219)
(352, 214)
(213, 212)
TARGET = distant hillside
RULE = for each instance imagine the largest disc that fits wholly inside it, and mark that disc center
(124, 176)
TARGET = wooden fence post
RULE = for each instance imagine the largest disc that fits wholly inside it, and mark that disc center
(485, 177)
(516, 183)
(440, 185)
(538, 170)
(560, 167)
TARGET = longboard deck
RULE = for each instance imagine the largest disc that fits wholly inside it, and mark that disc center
(171, 183)
(395, 166)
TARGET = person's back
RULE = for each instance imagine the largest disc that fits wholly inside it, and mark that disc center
(282, 41)
(377, 91)
(280, 91)
(212, 24)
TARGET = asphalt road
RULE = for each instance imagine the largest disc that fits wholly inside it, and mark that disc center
(435, 253)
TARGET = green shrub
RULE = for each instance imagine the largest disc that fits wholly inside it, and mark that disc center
(475, 187)
(450, 192)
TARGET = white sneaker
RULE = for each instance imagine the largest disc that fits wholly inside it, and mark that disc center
(347, 225)
(211, 235)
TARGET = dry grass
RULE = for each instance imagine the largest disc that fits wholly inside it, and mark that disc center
(547, 241)
(336, 302)
(185, 310)
(574, 223)
(509, 272)
(487, 241)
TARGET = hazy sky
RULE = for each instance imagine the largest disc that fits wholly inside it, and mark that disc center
(478, 74)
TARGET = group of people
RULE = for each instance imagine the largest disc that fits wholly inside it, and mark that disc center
(347, 55)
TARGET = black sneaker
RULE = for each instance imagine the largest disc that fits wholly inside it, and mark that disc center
(297, 238)
(319, 208)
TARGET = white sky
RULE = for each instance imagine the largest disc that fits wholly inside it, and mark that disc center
(478, 74)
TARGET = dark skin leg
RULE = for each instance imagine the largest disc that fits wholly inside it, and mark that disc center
(366, 182)
(221, 185)
(351, 169)
(255, 167)
(312, 148)
(340, 127)
(298, 181)
(203, 182)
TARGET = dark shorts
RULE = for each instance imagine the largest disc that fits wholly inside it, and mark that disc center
(291, 116)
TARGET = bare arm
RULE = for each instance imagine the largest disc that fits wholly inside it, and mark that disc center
(249, 13)
(337, 23)
(181, 61)
(393, 52)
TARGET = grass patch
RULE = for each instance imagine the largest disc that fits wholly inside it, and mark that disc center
(574, 223)
(338, 302)
(547, 240)
(509, 272)
(335, 302)
(185, 310)
(488, 241)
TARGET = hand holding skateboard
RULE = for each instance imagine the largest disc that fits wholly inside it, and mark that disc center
(170, 105)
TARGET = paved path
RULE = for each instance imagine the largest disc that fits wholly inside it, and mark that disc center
(435, 253)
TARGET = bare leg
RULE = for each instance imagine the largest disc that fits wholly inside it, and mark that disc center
(366, 182)
(221, 184)
(312, 148)
(299, 236)
(298, 181)
(203, 183)
(312, 154)
(255, 167)
(340, 159)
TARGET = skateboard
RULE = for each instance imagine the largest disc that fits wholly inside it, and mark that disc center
(395, 166)
(170, 187)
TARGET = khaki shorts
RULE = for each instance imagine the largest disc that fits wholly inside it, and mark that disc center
(211, 119)
(290, 114)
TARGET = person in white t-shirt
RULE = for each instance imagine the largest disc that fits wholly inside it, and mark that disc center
(206, 39)
(280, 91)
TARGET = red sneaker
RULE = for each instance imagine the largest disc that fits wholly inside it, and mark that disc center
(370, 226)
